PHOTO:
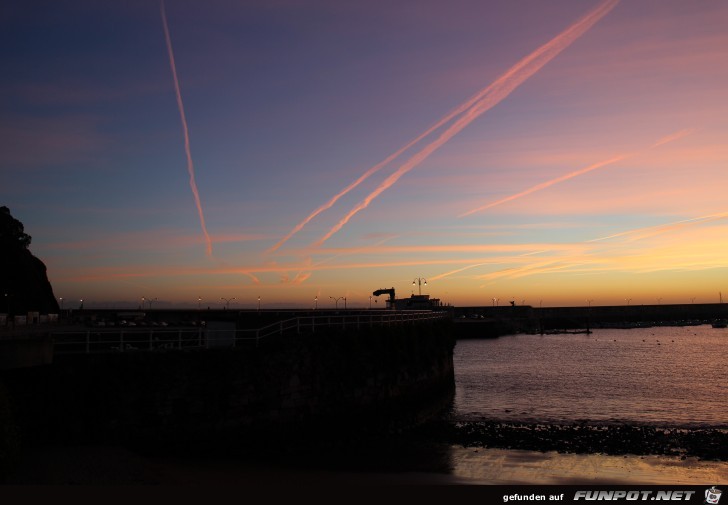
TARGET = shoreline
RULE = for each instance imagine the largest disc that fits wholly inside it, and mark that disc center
(441, 453)
(586, 437)
(117, 466)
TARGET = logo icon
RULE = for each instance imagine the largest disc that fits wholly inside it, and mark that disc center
(712, 495)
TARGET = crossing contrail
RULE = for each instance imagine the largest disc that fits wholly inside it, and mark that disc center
(484, 101)
(190, 165)
(376, 168)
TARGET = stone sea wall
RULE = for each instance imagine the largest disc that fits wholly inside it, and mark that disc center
(322, 385)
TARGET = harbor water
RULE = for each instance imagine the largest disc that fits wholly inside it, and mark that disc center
(667, 375)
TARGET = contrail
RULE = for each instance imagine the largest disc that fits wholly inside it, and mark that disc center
(546, 184)
(190, 166)
(665, 140)
(650, 231)
(486, 100)
(376, 168)
(673, 137)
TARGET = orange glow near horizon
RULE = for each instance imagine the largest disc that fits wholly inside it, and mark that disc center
(549, 155)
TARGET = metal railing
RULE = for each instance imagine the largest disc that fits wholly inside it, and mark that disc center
(100, 340)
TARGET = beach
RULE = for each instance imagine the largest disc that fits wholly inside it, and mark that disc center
(110, 465)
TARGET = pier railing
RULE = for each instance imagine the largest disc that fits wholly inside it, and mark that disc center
(134, 339)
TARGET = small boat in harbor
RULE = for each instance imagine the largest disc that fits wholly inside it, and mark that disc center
(720, 323)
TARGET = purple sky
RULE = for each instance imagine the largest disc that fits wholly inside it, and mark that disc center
(590, 163)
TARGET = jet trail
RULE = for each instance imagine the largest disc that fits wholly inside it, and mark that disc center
(651, 231)
(665, 140)
(546, 184)
(486, 100)
(190, 166)
(376, 168)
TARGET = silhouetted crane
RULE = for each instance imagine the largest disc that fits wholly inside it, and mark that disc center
(389, 291)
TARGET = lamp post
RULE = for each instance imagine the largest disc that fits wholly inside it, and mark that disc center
(150, 302)
(419, 281)
(336, 300)
(61, 299)
(258, 303)
(315, 303)
(199, 302)
(370, 302)
(81, 306)
(344, 302)
(227, 301)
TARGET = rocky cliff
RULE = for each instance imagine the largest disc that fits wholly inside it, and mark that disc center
(24, 284)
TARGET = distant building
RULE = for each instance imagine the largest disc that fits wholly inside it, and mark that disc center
(414, 302)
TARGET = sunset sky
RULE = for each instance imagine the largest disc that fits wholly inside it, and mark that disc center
(551, 153)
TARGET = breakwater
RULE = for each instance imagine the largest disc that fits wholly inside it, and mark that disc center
(322, 386)
(489, 322)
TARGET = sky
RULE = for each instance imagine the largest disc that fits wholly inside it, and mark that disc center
(295, 153)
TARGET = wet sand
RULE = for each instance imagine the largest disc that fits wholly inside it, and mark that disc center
(457, 466)
(449, 453)
(503, 466)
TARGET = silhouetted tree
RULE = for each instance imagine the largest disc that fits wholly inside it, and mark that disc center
(12, 232)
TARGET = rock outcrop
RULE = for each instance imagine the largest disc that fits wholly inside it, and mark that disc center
(24, 284)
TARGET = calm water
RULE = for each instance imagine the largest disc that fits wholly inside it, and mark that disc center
(659, 375)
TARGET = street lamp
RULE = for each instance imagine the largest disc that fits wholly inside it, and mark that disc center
(370, 302)
(227, 301)
(150, 302)
(81, 307)
(419, 281)
(628, 300)
(259, 304)
(315, 303)
(336, 300)
(61, 299)
(199, 302)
